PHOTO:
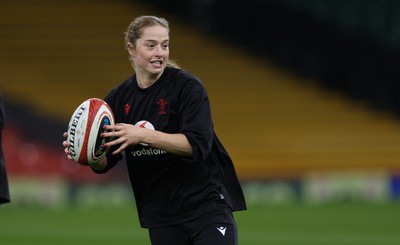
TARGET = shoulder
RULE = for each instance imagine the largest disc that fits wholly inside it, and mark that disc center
(186, 86)
(118, 91)
(183, 79)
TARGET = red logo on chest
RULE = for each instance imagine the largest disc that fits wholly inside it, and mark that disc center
(126, 108)
(162, 104)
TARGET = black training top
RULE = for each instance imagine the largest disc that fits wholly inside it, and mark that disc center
(4, 191)
(170, 189)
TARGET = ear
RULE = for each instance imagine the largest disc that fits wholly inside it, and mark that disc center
(131, 50)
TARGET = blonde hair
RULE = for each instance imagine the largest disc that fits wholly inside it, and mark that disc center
(135, 31)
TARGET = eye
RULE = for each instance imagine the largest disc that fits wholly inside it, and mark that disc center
(165, 45)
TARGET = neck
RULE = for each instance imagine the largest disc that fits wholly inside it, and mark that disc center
(144, 83)
(146, 80)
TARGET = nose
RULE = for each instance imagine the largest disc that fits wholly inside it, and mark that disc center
(159, 50)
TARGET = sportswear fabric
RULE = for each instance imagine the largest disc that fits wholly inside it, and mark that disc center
(169, 189)
(4, 191)
(215, 228)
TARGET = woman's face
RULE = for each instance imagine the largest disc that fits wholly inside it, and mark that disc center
(151, 53)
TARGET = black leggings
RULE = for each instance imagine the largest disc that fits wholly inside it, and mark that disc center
(211, 229)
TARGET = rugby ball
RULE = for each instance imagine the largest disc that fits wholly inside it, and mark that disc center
(84, 129)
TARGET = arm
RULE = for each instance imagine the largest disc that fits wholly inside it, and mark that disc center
(176, 144)
(127, 134)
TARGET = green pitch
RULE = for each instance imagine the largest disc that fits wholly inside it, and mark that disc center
(346, 224)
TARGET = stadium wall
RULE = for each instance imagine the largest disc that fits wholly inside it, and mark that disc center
(350, 45)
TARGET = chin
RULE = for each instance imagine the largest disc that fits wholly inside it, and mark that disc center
(157, 70)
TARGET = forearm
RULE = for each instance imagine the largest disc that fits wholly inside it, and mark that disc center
(176, 144)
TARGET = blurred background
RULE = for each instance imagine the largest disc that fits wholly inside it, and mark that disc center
(304, 96)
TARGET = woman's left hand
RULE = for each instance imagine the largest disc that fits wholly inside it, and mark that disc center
(124, 135)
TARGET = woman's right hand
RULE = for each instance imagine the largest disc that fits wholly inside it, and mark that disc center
(98, 165)
(66, 146)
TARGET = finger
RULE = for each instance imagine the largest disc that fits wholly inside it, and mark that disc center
(68, 153)
(108, 127)
(116, 141)
(65, 134)
(65, 143)
(116, 134)
(117, 151)
(120, 149)
(109, 134)
(118, 126)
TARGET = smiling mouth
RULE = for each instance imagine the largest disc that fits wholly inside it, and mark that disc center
(157, 63)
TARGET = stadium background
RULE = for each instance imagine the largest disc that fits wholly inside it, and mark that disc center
(304, 96)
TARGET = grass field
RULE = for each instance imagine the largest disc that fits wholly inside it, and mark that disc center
(345, 224)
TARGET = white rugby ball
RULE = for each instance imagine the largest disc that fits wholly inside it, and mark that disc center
(84, 129)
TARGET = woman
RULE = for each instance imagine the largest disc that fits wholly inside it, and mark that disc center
(4, 190)
(184, 182)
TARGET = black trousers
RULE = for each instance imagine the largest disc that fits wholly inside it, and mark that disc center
(216, 228)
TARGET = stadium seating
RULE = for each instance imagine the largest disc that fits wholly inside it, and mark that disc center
(56, 54)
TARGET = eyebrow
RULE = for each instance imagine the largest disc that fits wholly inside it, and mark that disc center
(152, 40)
